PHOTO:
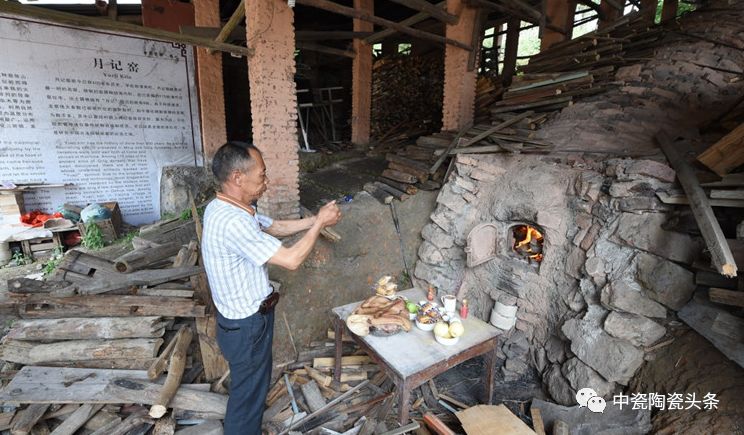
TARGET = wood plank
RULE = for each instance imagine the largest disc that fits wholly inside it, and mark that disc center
(726, 297)
(312, 46)
(436, 425)
(214, 362)
(312, 395)
(721, 255)
(140, 277)
(91, 23)
(175, 372)
(77, 419)
(25, 420)
(210, 427)
(42, 306)
(537, 421)
(726, 154)
(158, 366)
(26, 285)
(141, 258)
(492, 420)
(673, 199)
(727, 194)
(35, 384)
(346, 361)
(87, 328)
(718, 326)
(330, 6)
(27, 352)
(399, 176)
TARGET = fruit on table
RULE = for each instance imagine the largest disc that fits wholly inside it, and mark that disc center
(442, 329)
(456, 329)
(412, 307)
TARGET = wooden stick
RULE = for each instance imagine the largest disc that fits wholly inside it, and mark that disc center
(419, 17)
(403, 187)
(330, 6)
(727, 297)
(443, 157)
(25, 420)
(78, 21)
(312, 46)
(175, 373)
(158, 367)
(77, 419)
(537, 421)
(330, 405)
(235, 18)
(721, 255)
(437, 425)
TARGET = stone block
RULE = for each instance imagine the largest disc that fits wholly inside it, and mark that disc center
(555, 349)
(580, 375)
(629, 73)
(463, 169)
(639, 204)
(638, 330)
(490, 167)
(574, 262)
(645, 232)
(466, 183)
(664, 281)
(451, 200)
(616, 360)
(437, 237)
(558, 387)
(429, 253)
(516, 366)
(595, 267)
(651, 168)
(480, 175)
(444, 217)
(590, 237)
(626, 295)
(613, 421)
(633, 188)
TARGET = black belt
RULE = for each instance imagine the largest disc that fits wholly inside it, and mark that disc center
(267, 305)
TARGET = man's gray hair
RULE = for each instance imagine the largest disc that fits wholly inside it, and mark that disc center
(232, 156)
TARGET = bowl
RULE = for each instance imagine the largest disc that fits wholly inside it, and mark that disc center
(446, 341)
(425, 326)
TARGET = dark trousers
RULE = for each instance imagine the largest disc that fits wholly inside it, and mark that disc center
(246, 345)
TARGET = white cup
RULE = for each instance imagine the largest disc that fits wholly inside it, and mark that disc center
(449, 302)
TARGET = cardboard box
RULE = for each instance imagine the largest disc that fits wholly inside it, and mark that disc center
(110, 228)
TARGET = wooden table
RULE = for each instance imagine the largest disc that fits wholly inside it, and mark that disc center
(412, 358)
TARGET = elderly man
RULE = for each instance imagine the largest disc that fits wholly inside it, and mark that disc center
(237, 245)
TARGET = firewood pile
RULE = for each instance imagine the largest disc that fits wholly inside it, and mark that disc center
(94, 341)
(406, 96)
(306, 399)
(488, 90)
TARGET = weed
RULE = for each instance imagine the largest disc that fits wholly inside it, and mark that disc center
(186, 214)
(53, 262)
(128, 237)
(93, 238)
(21, 259)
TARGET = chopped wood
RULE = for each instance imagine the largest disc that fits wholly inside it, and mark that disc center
(327, 407)
(140, 277)
(453, 401)
(721, 255)
(73, 385)
(443, 157)
(380, 195)
(403, 429)
(158, 367)
(188, 255)
(399, 176)
(411, 163)
(346, 361)
(312, 395)
(727, 194)
(87, 328)
(209, 427)
(165, 426)
(436, 425)
(77, 419)
(726, 154)
(403, 187)
(141, 258)
(485, 419)
(26, 352)
(726, 297)
(416, 172)
(175, 372)
(128, 425)
(721, 328)
(537, 421)
(25, 420)
(215, 364)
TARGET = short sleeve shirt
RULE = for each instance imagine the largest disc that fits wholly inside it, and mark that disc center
(235, 250)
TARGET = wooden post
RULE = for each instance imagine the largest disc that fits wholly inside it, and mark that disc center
(209, 80)
(361, 87)
(560, 15)
(611, 12)
(510, 52)
(459, 82)
(648, 10)
(669, 10)
(175, 373)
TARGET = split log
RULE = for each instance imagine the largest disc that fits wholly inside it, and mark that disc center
(400, 196)
(214, 362)
(726, 297)
(403, 187)
(130, 424)
(87, 328)
(407, 162)
(187, 256)
(25, 352)
(141, 258)
(165, 426)
(380, 195)
(721, 255)
(25, 420)
(328, 406)
(77, 419)
(726, 154)
(314, 399)
(210, 427)
(158, 366)
(175, 373)
(418, 173)
(71, 385)
(42, 306)
(399, 176)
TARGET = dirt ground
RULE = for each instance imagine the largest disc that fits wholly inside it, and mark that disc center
(692, 365)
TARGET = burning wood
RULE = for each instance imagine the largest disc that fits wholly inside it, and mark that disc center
(528, 243)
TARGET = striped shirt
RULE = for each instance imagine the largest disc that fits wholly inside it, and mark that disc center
(235, 251)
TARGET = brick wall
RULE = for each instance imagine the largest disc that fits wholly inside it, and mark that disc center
(274, 103)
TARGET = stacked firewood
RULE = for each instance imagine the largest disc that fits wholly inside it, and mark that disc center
(488, 90)
(406, 96)
(94, 342)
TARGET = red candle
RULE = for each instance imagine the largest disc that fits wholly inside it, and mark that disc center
(464, 309)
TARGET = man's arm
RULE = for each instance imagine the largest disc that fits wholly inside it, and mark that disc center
(291, 258)
(289, 227)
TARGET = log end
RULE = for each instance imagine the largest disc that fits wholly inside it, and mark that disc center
(729, 270)
(121, 266)
(157, 411)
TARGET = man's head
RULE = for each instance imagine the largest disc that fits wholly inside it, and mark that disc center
(241, 171)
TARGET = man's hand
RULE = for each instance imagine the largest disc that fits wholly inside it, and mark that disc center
(329, 215)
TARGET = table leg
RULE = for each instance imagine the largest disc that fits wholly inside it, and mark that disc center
(490, 363)
(338, 330)
(404, 397)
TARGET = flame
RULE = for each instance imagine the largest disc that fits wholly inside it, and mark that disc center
(523, 246)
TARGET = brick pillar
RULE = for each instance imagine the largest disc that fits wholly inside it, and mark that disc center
(361, 87)
(209, 76)
(459, 83)
(648, 10)
(271, 72)
(611, 14)
(560, 14)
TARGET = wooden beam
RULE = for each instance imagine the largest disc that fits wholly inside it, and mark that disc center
(510, 52)
(612, 11)
(235, 18)
(648, 10)
(361, 76)
(669, 10)
(726, 154)
(336, 8)
(721, 255)
(311, 46)
(107, 25)
(432, 10)
(726, 297)
(415, 19)
(321, 35)
(514, 9)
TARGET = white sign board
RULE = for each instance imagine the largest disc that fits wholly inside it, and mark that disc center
(102, 112)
